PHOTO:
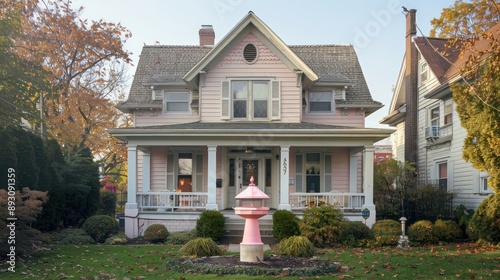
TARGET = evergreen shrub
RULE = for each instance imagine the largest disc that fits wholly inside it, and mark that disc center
(422, 232)
(285, 224)
(156, 233)
(100, 227)
(386, 232)
(355, 234)
(321, 225)
(211, 224)
(447, 231)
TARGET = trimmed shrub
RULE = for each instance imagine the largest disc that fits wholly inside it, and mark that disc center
(76, 239)
(201, 247)
(117, 239)
(107, 203)
(295, 246)
(181, 237)
(156, 233)
(100, 227)
(485, 225)
(386, 232)
(211, 224)
(285, 224)
(422, 232)
(355, 234)
(58, 237)
(321, 225)
(446, 230)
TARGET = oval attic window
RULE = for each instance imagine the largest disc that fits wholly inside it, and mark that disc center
(250, 53)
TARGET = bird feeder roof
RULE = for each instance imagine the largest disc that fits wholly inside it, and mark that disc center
(252, 192)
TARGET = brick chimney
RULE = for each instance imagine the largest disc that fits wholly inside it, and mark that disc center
(411, 87)
(207, 35)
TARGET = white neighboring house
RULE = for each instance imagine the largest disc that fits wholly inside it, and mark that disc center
(423, 87)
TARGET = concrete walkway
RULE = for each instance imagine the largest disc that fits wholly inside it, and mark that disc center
(236, 247)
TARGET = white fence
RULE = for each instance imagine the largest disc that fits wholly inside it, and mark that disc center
(170, 201)
(345, 201)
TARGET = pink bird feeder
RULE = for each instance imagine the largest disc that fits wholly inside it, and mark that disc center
(251, 208)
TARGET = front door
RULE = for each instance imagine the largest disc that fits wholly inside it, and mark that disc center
(241, 169)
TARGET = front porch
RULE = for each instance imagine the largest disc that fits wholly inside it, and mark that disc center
(160, 202)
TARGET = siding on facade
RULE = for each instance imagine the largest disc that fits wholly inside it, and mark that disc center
(233, 66)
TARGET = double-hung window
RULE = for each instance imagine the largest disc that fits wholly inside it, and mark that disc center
(434, 116)
(176, 102)
(424, 72)
(321, 102)
(250, 99)
(443, 175)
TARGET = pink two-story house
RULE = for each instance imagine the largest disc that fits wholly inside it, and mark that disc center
(208, 117)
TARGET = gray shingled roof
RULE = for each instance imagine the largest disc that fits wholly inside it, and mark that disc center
(167, 64)
(329, 61)
(249, 126)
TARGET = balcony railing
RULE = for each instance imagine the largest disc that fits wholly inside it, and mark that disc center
(170, 201)
(345, 201)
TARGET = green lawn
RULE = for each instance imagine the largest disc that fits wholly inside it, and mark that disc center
(456, 261)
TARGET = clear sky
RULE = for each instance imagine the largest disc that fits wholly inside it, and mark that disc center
(376, 28)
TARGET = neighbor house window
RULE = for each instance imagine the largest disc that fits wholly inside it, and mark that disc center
(448, 111)
(483, 183)
(434, 116)
(321, 101)
(250, 99)
(424, 72)
(443, 175)
(176, 102)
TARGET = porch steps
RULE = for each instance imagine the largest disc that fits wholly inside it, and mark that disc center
(235, 226)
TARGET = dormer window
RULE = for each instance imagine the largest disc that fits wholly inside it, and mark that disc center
(176, 102)
(321, 102)
(250, 53)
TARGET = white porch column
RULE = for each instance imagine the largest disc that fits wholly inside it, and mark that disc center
(212, 178)
(131, 211)
(353, 173)
(368, 183)
(146, 171)
(284, 178)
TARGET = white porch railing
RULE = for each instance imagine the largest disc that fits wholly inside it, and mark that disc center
(170, 201)
(345, 201)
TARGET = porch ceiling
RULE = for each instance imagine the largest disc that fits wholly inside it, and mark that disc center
(252, 133)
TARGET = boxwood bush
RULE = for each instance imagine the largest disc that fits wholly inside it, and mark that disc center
(447, 231)
(355, 234)
(117, 239)
(386, 232)
(156, 233)
(211, 224)
(285, 224)
(100, 227)
(422, 232)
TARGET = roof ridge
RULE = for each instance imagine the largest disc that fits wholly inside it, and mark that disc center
(322, 45)
(178, 46)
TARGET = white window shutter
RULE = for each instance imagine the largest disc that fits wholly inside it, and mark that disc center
(225, 101)
(170, 184)
(198, 185)
(328, 173)
(298, 173)
(275, 100)
(157, 94)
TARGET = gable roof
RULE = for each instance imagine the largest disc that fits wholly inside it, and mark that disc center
(250, 23)
(431, 48)
(170, 65)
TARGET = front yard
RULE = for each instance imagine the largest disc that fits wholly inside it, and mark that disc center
(453, 261)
